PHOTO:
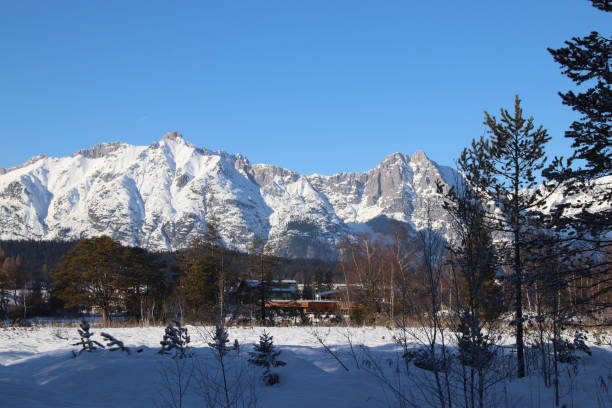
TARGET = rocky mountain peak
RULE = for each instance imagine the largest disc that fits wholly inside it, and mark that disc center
(419, 157)
(173, 135)
(99, 150)
(399, 158)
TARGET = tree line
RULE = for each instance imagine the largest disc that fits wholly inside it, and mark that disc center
(49, 278)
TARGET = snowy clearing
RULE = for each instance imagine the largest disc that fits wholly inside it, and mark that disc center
(37, 369)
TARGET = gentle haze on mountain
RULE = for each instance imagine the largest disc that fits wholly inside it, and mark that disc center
(316, 86)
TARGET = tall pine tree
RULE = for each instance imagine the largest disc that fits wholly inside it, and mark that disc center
(260, 265)
(197, 284)
(143, 282)
(504, 168)
(202, 285)
(583, 220)
(587, 60)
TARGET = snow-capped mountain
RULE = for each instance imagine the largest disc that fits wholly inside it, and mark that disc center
(162, 195)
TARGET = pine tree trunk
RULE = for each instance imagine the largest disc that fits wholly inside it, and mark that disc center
(263, 293)
(520, 352)
(518, 269)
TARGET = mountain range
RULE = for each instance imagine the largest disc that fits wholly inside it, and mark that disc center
(163, 195)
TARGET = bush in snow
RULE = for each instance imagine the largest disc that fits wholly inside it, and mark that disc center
(475, 348)
(425, 359)
(177, 339)
(265, 356)
(86, 343)
(113, 344)
(566, 352)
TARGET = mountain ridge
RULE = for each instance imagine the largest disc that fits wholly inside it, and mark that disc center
(162, 195)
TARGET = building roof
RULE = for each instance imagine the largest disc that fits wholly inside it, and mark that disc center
(257, 282)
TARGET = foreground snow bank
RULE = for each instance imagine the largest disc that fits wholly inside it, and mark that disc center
(37, 370)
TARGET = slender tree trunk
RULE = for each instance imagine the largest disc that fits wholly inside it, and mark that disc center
(222, 293)
(227, 400)
(518, 269)
(481, 385)
(263, 292)
(520, 352)
(24, 301)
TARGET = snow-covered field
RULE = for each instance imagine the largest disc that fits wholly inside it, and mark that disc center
(37, 370)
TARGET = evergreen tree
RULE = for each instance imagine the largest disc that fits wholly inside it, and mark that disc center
(475, 347)
(265, 355)
(308, 292)
(4, 286)
(323, 281)
(86, 343)
(175, 338)
(604, 5)
(220, 340)
(219, 345)
(143, 282)
(113, 344)
(214, 242)
(587, 60)
(474, 261)
(328, 281)
(260, 266)
(200, 264)
(35, 300)
(477, 297)
(503, 168)
(583, 222)
(89, 275)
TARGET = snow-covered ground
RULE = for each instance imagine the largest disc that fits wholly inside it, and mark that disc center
(37, 369)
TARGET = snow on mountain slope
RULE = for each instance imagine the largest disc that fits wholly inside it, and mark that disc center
(162, 195)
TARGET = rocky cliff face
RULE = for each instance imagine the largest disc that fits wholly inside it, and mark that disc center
(162, 195)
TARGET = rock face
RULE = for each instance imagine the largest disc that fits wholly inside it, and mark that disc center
(162, 195)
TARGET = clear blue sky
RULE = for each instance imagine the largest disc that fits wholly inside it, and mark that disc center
(315, 86)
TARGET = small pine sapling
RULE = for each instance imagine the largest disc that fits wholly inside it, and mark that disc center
(475, 348)
(86, 343)
(265, 355)
(177, 339)
(220, 340)
(113, 344)
(219, 345)
(236, 346)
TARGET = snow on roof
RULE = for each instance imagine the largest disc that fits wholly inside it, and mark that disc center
(327, 292)
(256, 282)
